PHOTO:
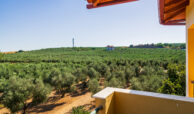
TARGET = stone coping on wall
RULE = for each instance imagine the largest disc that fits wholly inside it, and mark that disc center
(109, 90)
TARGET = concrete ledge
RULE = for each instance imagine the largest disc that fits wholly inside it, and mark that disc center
(103, 94)
(108, 91)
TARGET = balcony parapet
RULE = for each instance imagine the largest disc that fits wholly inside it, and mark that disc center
(123, 101)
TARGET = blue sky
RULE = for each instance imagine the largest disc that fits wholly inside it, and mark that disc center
(35, 24)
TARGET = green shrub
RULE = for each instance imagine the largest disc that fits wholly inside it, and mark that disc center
(80, 75)
(175, 83)
(137, 71)
(69, 80)
(129, 73)
(120, 75)
(93, 86)
(114, 82)
(1, 56)
(93, 73)
(79, 110)
(3, 84)
(147, 83)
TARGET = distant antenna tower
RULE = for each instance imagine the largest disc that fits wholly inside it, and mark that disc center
(73, 42)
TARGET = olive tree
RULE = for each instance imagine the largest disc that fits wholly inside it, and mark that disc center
(19, 90)
(114, 82)
(40, 92)
(62, 82)
(1, 56)
(93, 85)
(93, 73)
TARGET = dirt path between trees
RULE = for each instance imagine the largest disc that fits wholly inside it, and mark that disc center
(61, 106)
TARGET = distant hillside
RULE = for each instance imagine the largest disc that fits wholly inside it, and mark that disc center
(161, 45)
(94, 54)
